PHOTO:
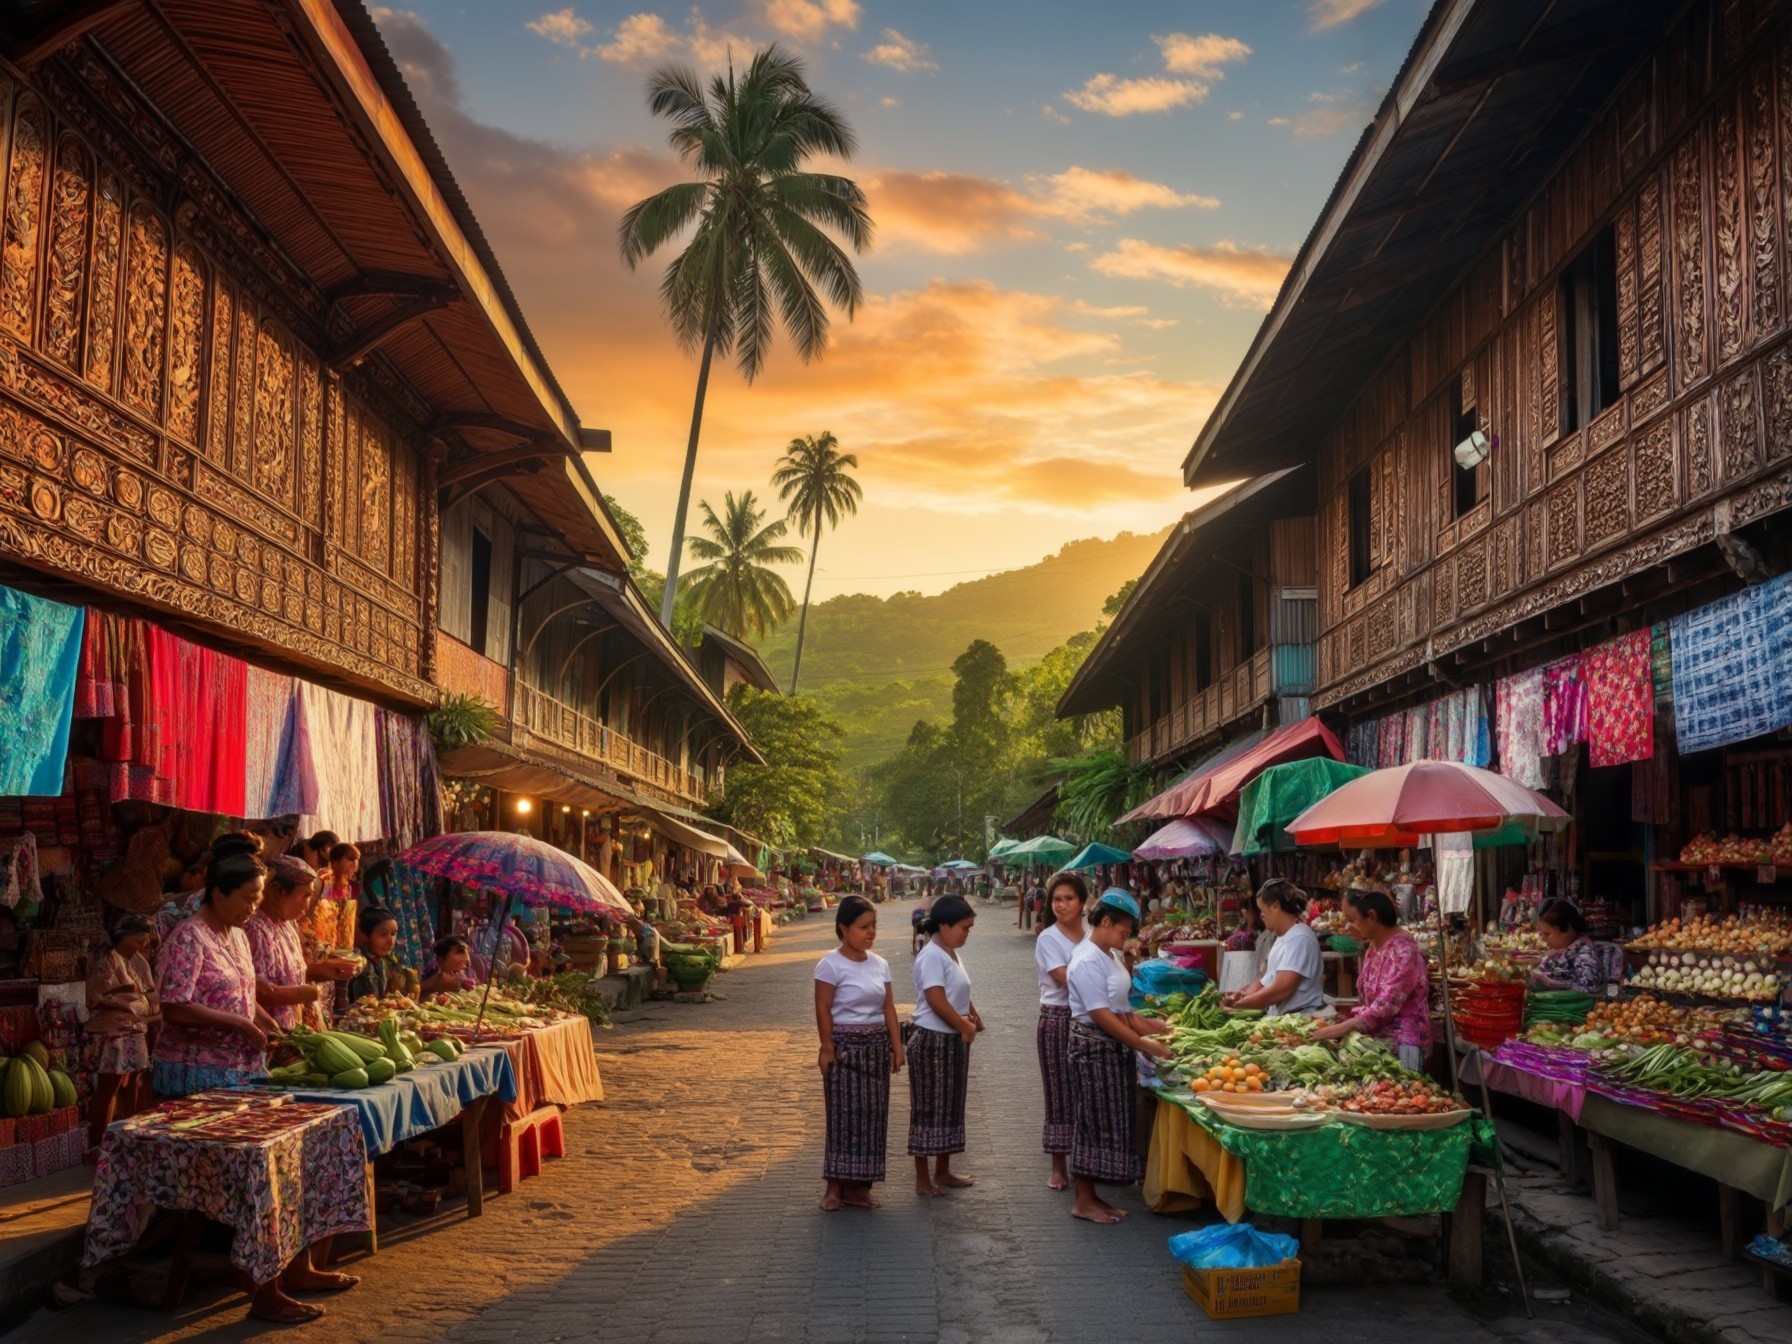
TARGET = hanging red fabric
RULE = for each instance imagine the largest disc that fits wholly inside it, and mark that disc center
(202, 711)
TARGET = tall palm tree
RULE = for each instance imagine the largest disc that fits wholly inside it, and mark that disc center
(812, 480)
(760, 218)
(736, 590)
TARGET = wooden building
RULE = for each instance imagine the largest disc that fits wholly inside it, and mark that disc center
(1217, 638)
(1566, 230)
(255, 357)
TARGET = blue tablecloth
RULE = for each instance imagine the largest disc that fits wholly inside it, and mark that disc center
(426, 1098)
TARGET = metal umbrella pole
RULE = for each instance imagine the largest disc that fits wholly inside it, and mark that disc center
(1499, 1157)
(491, 972)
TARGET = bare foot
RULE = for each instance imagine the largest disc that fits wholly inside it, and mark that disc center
(1104, 1216)
(831, 1202)
(863, 1202)
(1058, 1182)
(279, 1309)
(953, 1181)
(928, 1188)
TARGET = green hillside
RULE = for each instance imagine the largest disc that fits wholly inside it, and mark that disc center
(881, 663)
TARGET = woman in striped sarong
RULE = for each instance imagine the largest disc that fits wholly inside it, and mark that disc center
(855, 1012)
(939, 1056)
(1104, 1032)
(1051, 956)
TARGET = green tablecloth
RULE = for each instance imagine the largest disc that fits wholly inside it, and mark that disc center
(1756, 1168)
(1349, 1171)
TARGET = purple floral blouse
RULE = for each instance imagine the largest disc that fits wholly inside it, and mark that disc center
(1395, 988)
(201, 966)
(279, 957)
(1580, 966)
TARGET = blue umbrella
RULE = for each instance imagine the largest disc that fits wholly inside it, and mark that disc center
(880, 858)
(960, 865)
(1094, 856)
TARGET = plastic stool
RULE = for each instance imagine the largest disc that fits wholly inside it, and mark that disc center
(522, 1144)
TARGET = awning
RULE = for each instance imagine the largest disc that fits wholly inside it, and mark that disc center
(1280, 794)
(819, 852)
(1036, 816)
(1149, 810)
(690, 837)
(1218, 785)
(1186, 838)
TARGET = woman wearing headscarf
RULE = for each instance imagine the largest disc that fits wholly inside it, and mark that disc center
(1104, 1033)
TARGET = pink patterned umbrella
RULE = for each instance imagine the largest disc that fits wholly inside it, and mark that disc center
(529, 871)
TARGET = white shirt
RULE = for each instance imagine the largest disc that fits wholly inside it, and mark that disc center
(1050, 951)
(858, 987)
(936, 968)
(1297, 951)
(1097, 978)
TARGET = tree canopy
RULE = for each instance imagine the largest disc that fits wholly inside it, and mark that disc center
(794, 797)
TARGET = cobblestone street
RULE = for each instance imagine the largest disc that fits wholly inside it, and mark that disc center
(686, 1211)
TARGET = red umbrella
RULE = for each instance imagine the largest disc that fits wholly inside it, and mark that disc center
(1424, 798)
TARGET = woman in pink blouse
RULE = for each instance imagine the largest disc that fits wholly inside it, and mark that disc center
(1394, 984)
(286, 985)
(213, 1034)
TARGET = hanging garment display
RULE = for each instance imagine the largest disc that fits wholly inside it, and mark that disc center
(40, 653)
(1733, 667)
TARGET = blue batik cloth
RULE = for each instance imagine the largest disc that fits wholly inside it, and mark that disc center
(1733, 667)
(428, 1097)
(40, 655)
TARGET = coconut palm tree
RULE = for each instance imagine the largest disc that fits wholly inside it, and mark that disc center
(760, 240)
(736, 590)
(812, 480)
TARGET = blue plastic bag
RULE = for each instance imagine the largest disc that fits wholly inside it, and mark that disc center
(1232, 1246)
(1160, 978)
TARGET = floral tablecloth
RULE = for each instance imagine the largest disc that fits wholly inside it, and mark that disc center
(304, 1181)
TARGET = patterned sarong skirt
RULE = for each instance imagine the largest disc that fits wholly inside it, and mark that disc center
(939, 1074)
(1103, 1082)
(856, 1092)
(1054, 1067)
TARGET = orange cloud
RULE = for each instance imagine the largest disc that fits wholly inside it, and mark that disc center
(953, 214)
(1085, 194)
(1203, 56)
(1115, 97)
(1323, 14)
(902, 54)
(1247, 277)
(809, 20)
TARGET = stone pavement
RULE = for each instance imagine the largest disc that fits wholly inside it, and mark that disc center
(685, 1211)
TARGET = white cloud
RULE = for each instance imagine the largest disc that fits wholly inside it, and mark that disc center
(1202, 56)
(1051, 113)
(1240, 277)
(1083, 195)
(563, 28)
(902, 54)
(1115, 97)
(809, 20)
(639, 37)
(1331, 13)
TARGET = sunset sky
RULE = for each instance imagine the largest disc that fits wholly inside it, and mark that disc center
(1082, 213)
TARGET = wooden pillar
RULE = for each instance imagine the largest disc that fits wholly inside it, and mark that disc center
(1605, 1183)
(1467, 1254)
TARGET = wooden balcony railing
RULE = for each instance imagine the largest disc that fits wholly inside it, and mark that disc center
(1236, 693)
(460, 671)
(566, 727)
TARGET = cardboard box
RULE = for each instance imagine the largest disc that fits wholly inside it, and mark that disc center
(1232, 1294)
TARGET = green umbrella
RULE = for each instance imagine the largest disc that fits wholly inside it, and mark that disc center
(1095, 855)
(1280, 794)
(1003, 846)
(1044, 849)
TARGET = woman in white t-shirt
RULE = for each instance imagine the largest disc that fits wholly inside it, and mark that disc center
(1291, 978)
(1051, 955)
(855, 1012)
(1104, 1032)
(939, 1047)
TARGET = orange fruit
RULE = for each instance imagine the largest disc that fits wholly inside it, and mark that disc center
(1252, 1070)
(1201, 1085)
(1253, 1084)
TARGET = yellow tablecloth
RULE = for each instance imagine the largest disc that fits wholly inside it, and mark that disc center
(1186, 1167)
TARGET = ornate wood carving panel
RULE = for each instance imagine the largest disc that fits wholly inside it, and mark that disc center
(217, 428)
(1740, 425)
(70, 203)
(1690, 359)
(1656, 495)
(145, 308)
(102, 295)
(1727, 220)
(1549, 363)
(1624, 238)
(1776, 374)
(272, 451)
(1607, 499)
(1564, 523)
(1766, 243)
(24, 208)
(1651, 340)
(186, 343)
(1471, 575)
(1695, 438)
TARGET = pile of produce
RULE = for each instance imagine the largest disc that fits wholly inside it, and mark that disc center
(29, 1086)
(568, 993)
(452, 1014)
(1642, 1021)
(348, 1060)
(1712, 976)
(1508, 941)
(1409, 1096)
(1757, 934)
(1688, 1075)
(1489, 971)
(1562, 1007)
(1736, 849)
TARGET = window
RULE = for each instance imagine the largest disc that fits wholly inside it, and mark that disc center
(482, 590)
(1203, 649)
(1470, 484)
(1588, 302)
(1359, 521)
(1247, 616)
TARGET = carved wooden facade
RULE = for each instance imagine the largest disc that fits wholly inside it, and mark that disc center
(1691, 169)
(164, 434)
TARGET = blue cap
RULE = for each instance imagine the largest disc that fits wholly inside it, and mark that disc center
(1120, 899)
